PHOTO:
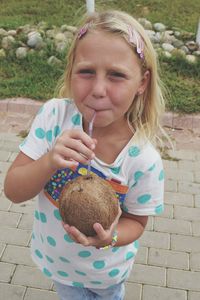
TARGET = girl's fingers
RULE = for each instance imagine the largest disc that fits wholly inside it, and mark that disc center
(101, 233)
(83, 137)
(76, 235)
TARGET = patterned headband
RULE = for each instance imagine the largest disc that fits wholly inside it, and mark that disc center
(134, 38)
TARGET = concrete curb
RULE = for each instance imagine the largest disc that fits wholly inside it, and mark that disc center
(170, 119)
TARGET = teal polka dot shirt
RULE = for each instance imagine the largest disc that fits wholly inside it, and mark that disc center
(137, 167)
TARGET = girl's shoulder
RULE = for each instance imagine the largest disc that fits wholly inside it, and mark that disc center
(59, 103)
(142, 156)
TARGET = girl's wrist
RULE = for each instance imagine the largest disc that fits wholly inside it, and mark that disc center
(113, 241)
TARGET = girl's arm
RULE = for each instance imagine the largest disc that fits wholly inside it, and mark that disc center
(27, 177)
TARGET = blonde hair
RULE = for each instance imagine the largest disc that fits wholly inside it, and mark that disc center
(145, 111)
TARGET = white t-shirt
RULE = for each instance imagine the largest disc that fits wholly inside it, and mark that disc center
(137, 176)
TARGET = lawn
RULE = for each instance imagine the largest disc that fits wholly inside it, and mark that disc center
(34, 78)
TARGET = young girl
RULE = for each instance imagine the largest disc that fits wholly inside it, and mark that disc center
(111, 74)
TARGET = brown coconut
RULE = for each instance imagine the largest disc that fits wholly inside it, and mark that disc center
(87, 200)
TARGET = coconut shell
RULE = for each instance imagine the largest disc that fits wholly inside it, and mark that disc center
(87, 200)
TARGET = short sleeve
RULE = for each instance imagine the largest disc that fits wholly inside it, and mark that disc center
(43, 132)
(146, 190)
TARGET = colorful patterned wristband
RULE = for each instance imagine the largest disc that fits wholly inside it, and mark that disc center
(113, 243)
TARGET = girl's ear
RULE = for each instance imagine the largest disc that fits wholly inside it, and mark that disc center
(144, 82)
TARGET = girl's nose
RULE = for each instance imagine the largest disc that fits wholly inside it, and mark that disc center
(99, 88)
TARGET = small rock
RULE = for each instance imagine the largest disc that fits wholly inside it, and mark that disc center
(35, 40)
(145, 23)
(167, 54)
(2, 53)
(167, 47)
(8, 42)
(12, 32)
(3, 32)
(21, 52)
(54, 61)
(191, 58)
(178, 52)
(60, 37)
(61, 47)
(177, 43)
(159, 27)
(72, 29)
(196, 53)
(192, 46)
(185, 49)
(177, 33)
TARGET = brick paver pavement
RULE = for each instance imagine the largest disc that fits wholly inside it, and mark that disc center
(168, 263)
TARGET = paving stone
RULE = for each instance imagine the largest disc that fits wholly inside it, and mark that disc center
(36, 294)
(169, 164)
(197, 176)
(5, 204)
(155, 240)
(133, 291)
(27, 207)
(13, 156)
(7, 271)
(17, 255)
(30, 277)
(185, 243)
(9, 219)
(179, 199)
(168, 258)
(150, 223)
(162, 293)
(148, 275)
(185, 280)
(188, 187)
(4, 165)
(182, 154)
(26, 221)
(180, 175)
(142, 256)
(196, 228)
(189, 165)
(11, 292)
(197, 200)
(14, 236)
(173, 226)
(195, 261)
(4, 155)
(2, 248)
(171, 185)
(168, 211)
(193, 295)
(187, 213)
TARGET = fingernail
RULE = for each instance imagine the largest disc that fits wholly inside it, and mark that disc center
(92, 156)
(92, 146)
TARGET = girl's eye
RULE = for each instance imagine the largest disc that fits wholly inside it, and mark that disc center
(86, 71)
(117, 75)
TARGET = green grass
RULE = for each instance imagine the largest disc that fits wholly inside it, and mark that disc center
(177, 13)
(34, 78)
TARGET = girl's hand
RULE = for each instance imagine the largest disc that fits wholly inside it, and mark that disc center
(72, 147)
(103, 237)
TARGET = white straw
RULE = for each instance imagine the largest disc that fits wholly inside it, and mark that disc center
(90, 130)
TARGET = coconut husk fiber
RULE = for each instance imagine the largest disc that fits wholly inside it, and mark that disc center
(87, 200)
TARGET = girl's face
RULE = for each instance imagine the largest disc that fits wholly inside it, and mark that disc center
(106, 76)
